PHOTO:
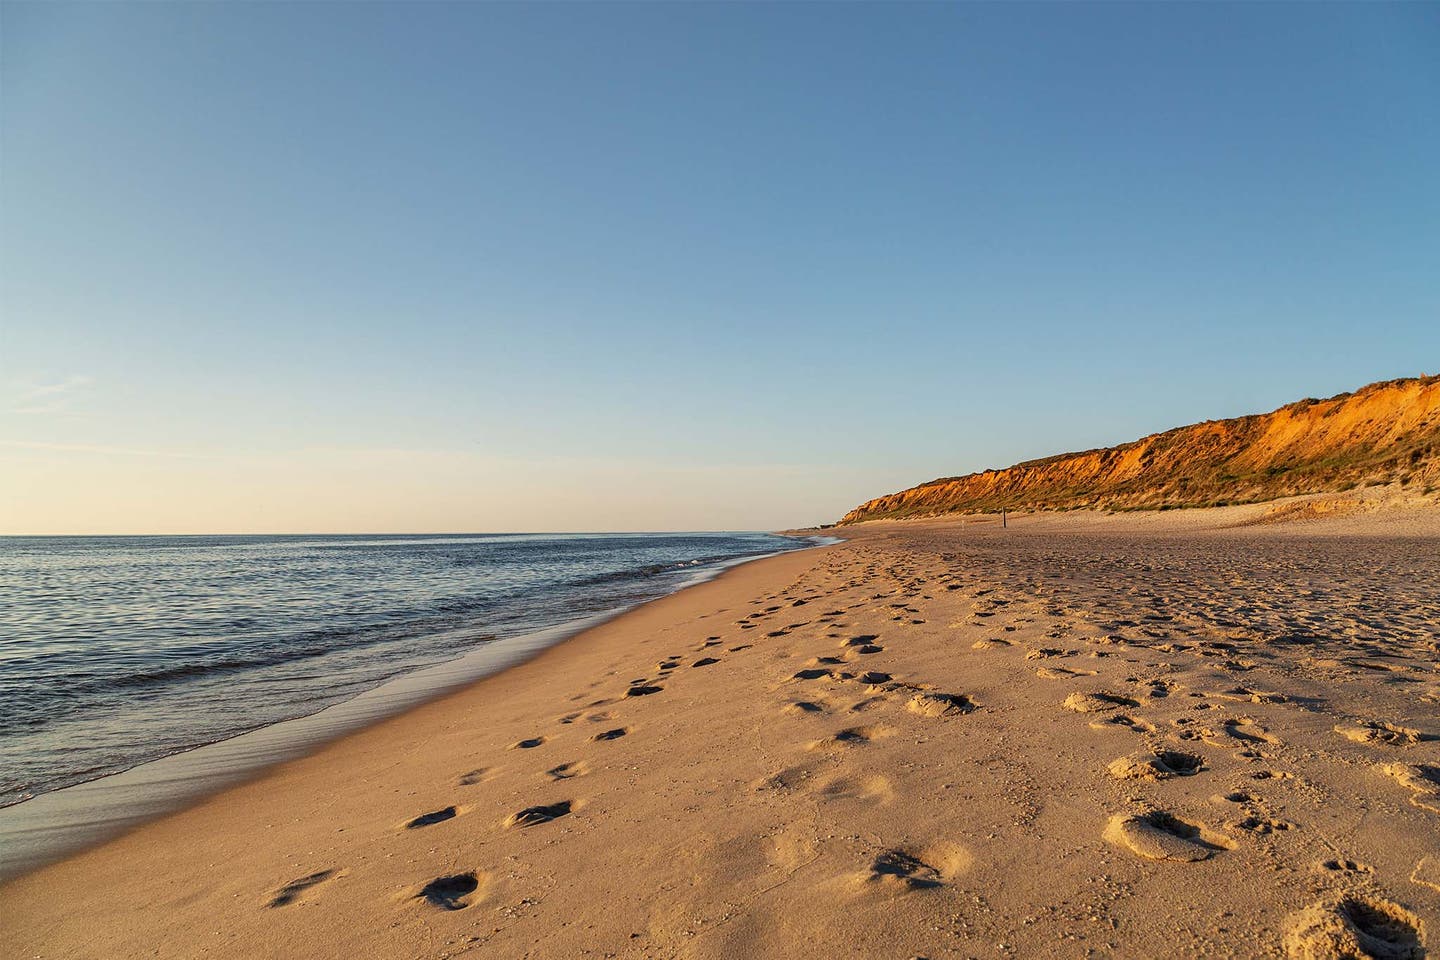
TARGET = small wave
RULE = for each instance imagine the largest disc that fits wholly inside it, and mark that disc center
(299, 650)
(649, 570)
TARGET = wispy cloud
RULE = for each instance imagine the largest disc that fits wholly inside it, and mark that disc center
(102, 449)
(52, 397)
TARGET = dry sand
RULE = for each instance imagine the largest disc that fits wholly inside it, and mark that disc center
(1128, 736)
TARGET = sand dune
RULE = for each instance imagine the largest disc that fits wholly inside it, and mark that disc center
(1080, 736)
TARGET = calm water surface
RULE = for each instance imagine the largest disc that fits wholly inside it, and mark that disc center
(119, 650)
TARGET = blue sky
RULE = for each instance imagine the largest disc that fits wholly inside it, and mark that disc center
(332, 266)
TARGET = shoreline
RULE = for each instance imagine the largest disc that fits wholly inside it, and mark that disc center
(52, 826)
(1080, 736)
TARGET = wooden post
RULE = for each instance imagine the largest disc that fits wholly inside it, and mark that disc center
(1003, 519)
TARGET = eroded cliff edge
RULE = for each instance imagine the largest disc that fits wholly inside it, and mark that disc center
(1386, 432)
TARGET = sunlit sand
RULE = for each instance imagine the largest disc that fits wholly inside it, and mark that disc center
(1078, 735)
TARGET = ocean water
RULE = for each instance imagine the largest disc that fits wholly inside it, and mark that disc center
(119, 650)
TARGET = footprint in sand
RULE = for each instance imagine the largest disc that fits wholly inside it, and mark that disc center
(872, 788)
(1160, 765)
(528, 744)
(643, 690)
(940, 704)
(1261, 825)
(1158, 835)
(804, 706)
(1097, 702)
(615, 734)
(784, 781)
(567, 770)
(1123, 720)
(289, 893)
(900, 868)
(923, 869)
(704, 662)
(450, 893)
(1376, 731)
(1345, 866)
(473, 777)
(850, 737)
(1156, 689)
(1245, 730)
(534, 816)
(432, 818)
(1421, 778)
(1348, 926)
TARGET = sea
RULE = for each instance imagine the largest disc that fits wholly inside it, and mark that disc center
(116, 651)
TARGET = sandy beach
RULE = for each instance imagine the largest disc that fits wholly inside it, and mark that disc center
(719, 481)
(1179, 734)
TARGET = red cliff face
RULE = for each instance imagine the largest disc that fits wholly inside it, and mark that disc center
(1382, 433)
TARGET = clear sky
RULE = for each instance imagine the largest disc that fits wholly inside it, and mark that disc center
(467, 267)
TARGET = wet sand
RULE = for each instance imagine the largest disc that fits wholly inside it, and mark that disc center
(1147, 735)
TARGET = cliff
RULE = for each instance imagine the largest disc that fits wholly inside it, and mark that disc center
(1383, 433)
